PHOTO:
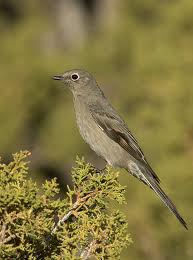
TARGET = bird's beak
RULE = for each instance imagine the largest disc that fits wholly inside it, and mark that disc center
(58, 77)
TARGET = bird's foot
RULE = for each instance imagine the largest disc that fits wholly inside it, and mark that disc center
(99, 171)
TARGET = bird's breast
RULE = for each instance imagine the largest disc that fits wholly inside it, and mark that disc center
(87, 126)
(95, 136)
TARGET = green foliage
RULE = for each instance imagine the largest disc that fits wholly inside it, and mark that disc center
(36, 224)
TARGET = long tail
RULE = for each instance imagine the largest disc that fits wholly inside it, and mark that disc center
(146, 177)
(167, 201)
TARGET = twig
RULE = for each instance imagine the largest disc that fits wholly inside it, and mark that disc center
(2, 233)
(61, 221)
(77, 204)
(3, 239)
(88, 250)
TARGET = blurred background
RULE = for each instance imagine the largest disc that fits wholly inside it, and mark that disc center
(141, 53)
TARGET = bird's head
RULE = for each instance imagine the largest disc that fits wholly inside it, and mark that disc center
(78, 81)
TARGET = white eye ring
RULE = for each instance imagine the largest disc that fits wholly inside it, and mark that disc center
(75, 76)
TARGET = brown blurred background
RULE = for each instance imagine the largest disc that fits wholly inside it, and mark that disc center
(141, 53)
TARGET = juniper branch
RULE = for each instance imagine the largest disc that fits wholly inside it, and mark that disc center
(76, 206)
(88, 250)
(26, 226)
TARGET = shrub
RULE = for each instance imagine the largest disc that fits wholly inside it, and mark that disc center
(36, 224)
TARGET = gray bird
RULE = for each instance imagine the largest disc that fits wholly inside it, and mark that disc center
(107, 133)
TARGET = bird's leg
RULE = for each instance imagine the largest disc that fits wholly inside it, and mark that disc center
(97, 170)
(100, 171)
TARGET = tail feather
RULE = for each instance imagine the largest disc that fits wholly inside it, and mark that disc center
(145, 176)
(167, 201)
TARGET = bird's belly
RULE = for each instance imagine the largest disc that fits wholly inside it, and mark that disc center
(100, 142)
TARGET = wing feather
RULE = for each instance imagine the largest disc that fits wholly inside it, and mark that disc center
(116, 129)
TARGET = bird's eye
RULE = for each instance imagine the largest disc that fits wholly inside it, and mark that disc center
(74, 76)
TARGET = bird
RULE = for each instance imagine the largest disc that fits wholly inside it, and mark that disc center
(104, 130)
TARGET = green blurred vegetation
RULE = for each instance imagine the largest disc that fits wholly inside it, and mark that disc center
(143, 60)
